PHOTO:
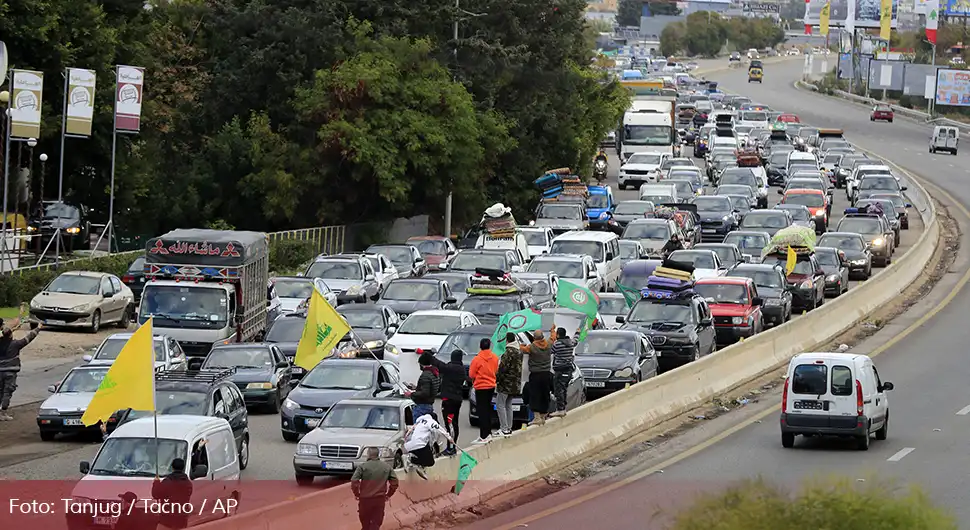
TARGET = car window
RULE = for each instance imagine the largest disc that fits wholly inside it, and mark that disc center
(810, 379)
(115, 284)
(841, 380)
(222, 449)
(106, 286)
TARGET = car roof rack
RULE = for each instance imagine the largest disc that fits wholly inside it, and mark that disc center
(495, 282)
(195, 376)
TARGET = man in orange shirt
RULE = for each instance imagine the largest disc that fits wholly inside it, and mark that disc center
(482, 372)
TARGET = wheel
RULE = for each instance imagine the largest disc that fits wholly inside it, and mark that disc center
(954, 152)
(304, 480)
(95, 321)
(274, 405)
(862, 442)
(787, 440)
(890, 120)
(398, 460)
(697, 353)
(125, 318)
(883, 431)
(244, 453)
(290, 436)
(48, 436)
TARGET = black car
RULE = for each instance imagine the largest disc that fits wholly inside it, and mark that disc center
(717, 215)
(836, 269)
(680, 328)
(405, 296)
(372, 324)
(612, 359)
(857, 254)
(806, 281)
(331, 381)
(489, 308)
(406, 259)
(199, 393)
(772, 288)
(134, 277)
(878, 234)
(262, 372)
(899, 204)
(71, 219)
(285, 332)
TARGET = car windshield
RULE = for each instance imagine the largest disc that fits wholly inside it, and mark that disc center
(598, 201)
(646, 135)
(607, 344)
(831, 160)
(683, 187)
(180, 402)
(827, 258)
(741, 176)
(648, 312)
(59, 210)
(778, 159)
(841, 242)
(860, 225)
(489, 305)
(411, 291)
(137, 266)
(735, 189)
(458, 283)
(372, 319)
(743, 129)
(560, 211)
(798, 214)
(699, 259)
(723, 293)
(674, 162)
(803, 267)
(629, 250)
(540, 287)
(757, 219)
(762, 279)
(376, 417)
(807, 132)
(429, 325)
(469, 261)
(654, 231)
(645, 158)
(724, 254)
(430, 247)
(535, 238)
(111, 347)
(238, 358)
(634, 208)
(562, 268)
(75, 284)
(293, 288)
(658, 199)
(397, 254)
(713, 205)
(335, 270)
(613, 306)
(137, 457)
(740, 202)
(682, 174)
(179, 302)
(339, 376)
(287, 329)
(883, 108)
(82, 381)
(754, 116)
(812, 200)
(878, 183)
(746, 241)
(592, 249)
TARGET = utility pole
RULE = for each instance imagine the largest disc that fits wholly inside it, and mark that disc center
(454, 36)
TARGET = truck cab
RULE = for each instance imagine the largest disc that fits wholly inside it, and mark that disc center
(736, 307)
(599, 208)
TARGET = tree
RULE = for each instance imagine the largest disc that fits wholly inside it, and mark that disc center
(628, 12)
(673, 39)
(663, 7)
(705, 33)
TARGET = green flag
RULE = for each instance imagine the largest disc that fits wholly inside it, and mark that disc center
(584, 329)
(577, 298)
(465, 466)
(631, 295)
(524, 320)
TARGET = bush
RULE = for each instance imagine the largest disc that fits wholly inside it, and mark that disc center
(287, 255)
(842, 504)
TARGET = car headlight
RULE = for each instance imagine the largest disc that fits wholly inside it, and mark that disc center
(31, 228)
(289, 404)
(832, 277)
(772, 301)
(374, 344)
(385, 452)
(81, 307)
(727, 218)
(306, 449)
(625, 372)
(73, 230)
(737, 320)
(259, 386)
(807, 284)
(48, 412)
(604, 215)
(878, 242)
(354, 290)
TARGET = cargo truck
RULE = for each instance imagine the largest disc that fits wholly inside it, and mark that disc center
(206, 287)
(648, 127)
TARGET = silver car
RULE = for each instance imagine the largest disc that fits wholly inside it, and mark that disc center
(570, 267)
(62, 411)
(339, 444)
(351, 276)
(168, 353)
(294, 291)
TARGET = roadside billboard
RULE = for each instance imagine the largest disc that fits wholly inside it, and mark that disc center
(865, 13)
(953, 87)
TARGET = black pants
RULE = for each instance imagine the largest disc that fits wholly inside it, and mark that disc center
(540, 387)
(450, 410)
(483, 402)
(8, 383)
(562, 380)
(371, 512)
(423, 457)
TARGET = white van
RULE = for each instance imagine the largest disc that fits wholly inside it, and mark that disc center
(127, 462)
(802, 157)
(603, 247)
(834, 394)
(519, 243)
(659, 193)
(944, 139)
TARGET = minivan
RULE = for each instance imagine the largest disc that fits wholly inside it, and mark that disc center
(603, 247)
(834, 394)
(659, 193)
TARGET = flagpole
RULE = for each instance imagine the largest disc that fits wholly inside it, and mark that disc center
(151, 334)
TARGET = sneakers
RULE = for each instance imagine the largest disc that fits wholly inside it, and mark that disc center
(506, 434)
(482, 441)
(451, 451)
(421, 472)
(6, 417)
(558, 414)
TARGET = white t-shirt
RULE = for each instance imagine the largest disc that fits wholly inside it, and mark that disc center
(424, 429)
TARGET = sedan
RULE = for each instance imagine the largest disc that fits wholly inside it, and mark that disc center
(436, 250)
(882, 112)
(406, 259)
(857, 253)
(631, 250)
(168, 353)
(262, 372)
(836, 268)
(426, 331)
(84, 300)
(749, 242)
(405, 296)
(770, 221)
(62, 411)
(611, 360)
(544, 287)
(295, 290)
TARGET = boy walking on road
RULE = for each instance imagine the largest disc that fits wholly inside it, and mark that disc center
(483, 370)
(563, 360)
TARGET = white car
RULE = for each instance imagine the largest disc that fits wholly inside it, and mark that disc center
(168, 352)
(384, 270)
(424, 330)
(538, 239)
(294, 291)
(62, 411)
(641, 168)
(612, 305)
(574, 268)
(706, 263)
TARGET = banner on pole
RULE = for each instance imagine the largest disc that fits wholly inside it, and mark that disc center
(885, 19)
(25, 103)
(129, 90)
(80, 101)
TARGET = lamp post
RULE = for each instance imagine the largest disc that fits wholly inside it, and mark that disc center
(43, 176)
(31, 144)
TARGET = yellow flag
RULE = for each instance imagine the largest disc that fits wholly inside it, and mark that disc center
(129, 383)
(823, 18)
(792, 260)
(323, 330)
(885, 19)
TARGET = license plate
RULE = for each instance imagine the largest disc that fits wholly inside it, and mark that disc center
(709, 231)
(73, 423)
(313, 422)
(809, 405)
(596, 384)
(55, 322)
(297, 370)
(516, 408)
(105, 520)
(343, 466)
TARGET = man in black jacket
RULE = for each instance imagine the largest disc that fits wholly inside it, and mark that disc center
(10, 364)
(175, 488)
(454, 375)
(428, 387)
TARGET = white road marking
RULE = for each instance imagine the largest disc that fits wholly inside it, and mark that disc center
(901, 454)
(964, 411)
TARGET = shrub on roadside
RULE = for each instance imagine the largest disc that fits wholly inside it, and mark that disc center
(841, 504)
(289, 255)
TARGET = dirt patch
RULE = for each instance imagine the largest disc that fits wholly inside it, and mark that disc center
(20, 440)
(51, 344)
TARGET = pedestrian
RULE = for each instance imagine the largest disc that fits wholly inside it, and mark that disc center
(174, 489)
(428, 387)
(373, 484)
(482, 371)
(563, 364)
(419, 444)
(540, 375)
(454, 375)
(508, 383)
(10, 364)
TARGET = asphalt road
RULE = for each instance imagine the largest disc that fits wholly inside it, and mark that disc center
(930, 407)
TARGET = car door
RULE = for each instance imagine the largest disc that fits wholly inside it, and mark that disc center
(119, 297)
(204, 489)
(818, 276)
(648, 358)
(705, 327)
(371, 286)
(592, 279)
(109, 304)
(234, 411)
(881, 399)
(283, 375)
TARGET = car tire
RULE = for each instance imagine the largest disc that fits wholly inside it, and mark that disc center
(48, 436)
(787, 440)
(883, 431)
(697, 353)
(931, 151)
(290, 436)
(890, 120)
(125, 318)
(244, 453)
(304, 480)
(274, 406)
(95, 322)
(862, 442)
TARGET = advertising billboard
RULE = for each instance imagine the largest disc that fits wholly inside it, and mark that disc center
(953, 87)
(864, 12)
(955, 8)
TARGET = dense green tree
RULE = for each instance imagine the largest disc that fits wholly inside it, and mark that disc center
(628, 12)
(673, 39)
(705, 33)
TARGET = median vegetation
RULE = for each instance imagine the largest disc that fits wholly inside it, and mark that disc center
(706, 33)
(841, 504)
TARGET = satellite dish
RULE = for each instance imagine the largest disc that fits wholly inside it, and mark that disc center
(3, 62)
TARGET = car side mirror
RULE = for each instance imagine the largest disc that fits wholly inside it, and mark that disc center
(108, 295)
(392, 328)
(87, 358)
(620, 319)
(706, 322)
(369, 278)
(757, 301)
(904, 188)
(282, 364)
(746, 258)
(84, 467)
(52, 389)
(887, 386)
(386, 386)
(451, 253)
(908, 205)
(418, 261)
(451, 300)
(199, 471)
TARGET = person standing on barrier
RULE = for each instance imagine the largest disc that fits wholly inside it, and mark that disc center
(508, 383)
(482, 371)
(373, 484)
(563, 362)
(453, 378)
(10, 364)
(540, 375)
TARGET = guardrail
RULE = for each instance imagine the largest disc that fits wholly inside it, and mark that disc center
(609, 420)
(325, 240)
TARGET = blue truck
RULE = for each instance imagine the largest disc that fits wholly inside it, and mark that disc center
(599, 209)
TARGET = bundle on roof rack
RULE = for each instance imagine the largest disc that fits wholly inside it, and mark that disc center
(799, 238)
(494, 282)
(498, 223)
(675, 270)
(659, 287)
(869, 209)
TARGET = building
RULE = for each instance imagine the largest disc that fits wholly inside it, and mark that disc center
(715, 6)
(651, 26)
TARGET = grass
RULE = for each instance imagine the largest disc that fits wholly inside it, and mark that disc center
(9, 312)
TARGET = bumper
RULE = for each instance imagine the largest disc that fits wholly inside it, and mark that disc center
(833, 287)
(602, 387)
(65, 319)
(300, 422)
(714, 235)
(819, 424)
(674, 355)
(773, 315)
(803, 298)
(56, 424)
(881, 253)
(729, 334)
(318, 467)
(344, 298)
(260, 396)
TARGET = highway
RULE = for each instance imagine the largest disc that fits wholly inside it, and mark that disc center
(930, 407)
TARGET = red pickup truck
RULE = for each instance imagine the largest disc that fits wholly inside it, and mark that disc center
(735, 306)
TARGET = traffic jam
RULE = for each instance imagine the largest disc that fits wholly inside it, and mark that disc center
(733, 228)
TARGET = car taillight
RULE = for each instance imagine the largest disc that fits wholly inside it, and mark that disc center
(127, 278)
(859, 405)
(784, 397)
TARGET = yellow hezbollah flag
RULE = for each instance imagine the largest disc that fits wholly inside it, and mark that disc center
(885, 19)
(323, 330)
(129, 383)
(823, 18)
(792, 260)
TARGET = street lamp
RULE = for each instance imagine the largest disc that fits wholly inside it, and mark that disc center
(43, 176)
(31, 144)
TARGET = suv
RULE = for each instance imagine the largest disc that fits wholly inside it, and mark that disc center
(876, 230)
(772, 288)
(736, 307)
(806, 281)
(198, 393)
(405, 296)
(71, 219)
(351, 276)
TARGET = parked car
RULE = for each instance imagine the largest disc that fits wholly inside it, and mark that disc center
(81, 299)
(134, 277)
